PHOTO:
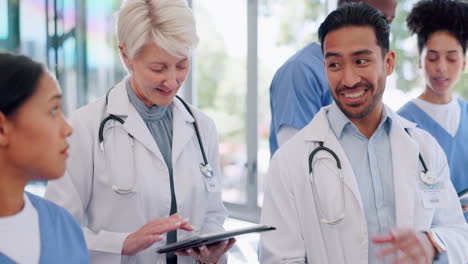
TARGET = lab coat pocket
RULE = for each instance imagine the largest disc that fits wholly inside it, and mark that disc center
(433, 196)
(423, 214)
(212, 184)
(128, 259)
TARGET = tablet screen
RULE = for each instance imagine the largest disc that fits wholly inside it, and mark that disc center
(212, 238)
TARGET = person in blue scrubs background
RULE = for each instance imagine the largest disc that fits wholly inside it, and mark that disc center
(299, 88)
(33, 147)
(442, 31)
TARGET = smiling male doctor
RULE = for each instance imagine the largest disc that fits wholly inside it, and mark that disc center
(386, 210)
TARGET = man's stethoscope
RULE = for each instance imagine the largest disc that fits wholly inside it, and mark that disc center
(425, 176)
(205, 167)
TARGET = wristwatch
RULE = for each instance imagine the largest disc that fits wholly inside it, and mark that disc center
(436, 242)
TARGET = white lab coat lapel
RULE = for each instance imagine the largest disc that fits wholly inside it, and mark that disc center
(327, 136)
(405, 162)
(183, 133)
(183, 129)
(120, 105)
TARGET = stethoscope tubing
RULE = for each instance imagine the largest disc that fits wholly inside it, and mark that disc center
(321, 213)
(319, 148)
(115, 188)
(101, 128)
(205, 167)
(197, 132)
(338, 164)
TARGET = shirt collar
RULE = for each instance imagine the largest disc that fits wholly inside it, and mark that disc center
(339, 122)
(386, 121)
(153, 113)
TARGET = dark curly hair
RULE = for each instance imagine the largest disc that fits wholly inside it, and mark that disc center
(430, 16)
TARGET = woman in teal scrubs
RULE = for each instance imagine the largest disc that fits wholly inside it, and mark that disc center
(33, 147)
(442, 30)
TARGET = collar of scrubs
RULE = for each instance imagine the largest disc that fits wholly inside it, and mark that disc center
(5, 259)
(339, 122)
(53, 220)
(153, 113)
(311, 133)
(48, 241)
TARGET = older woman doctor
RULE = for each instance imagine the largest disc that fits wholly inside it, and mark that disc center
(134, 180)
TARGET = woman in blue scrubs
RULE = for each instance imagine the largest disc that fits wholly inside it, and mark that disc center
(442, 30)
(33, 147)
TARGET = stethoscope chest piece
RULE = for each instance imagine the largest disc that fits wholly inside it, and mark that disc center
(206, 170)
(428, 178)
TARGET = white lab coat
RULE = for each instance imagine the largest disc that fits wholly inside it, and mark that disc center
(106, 217)
(289, 205)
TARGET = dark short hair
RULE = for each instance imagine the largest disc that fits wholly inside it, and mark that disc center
(19, 76)
(341, 2)
(430, 16)
(357, 14)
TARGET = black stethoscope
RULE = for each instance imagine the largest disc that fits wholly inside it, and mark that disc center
(205, 167)
(425, 176)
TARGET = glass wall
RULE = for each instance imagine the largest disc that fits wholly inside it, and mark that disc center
(104, 68)
(284, 28)
(4, 31)
(221, 84)
(33, 29)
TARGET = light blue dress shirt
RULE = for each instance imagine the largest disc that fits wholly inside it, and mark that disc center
(371, 160)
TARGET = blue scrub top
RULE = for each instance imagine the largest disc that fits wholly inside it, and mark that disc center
(62, 239)
(455, 147)
(298, 90)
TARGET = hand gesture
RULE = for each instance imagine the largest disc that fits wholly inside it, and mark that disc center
(415, 246)
(152, 232)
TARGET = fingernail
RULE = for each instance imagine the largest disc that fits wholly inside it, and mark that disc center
(178, 223)
(225, 242)
(189, 250)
